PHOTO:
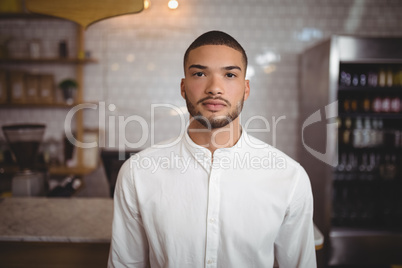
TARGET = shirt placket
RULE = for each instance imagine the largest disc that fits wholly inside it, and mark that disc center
(212, 242)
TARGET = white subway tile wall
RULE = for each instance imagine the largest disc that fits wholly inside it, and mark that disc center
(139, 67)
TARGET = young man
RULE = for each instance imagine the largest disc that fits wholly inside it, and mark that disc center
(217, 198)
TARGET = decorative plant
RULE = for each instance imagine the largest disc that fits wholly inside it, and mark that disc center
(68, 83)
(68, 86)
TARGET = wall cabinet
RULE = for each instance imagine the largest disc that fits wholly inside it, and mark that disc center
(39, 98)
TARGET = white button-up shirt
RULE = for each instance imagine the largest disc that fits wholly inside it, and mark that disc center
(178, 207)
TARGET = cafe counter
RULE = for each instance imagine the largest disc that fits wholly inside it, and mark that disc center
(55, 232)
(59, 232)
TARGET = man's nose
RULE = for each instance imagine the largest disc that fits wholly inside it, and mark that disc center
(215, 86)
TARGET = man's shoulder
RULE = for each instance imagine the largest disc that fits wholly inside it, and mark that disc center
(258, 147)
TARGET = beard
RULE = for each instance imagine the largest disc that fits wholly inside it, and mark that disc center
(214, 122)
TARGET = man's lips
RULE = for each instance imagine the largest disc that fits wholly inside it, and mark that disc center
(214, 105)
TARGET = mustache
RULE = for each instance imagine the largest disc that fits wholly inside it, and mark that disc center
(214, 98)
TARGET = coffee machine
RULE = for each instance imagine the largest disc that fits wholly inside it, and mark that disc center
(24, 141)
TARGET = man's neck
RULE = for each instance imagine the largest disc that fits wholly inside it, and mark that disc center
(214, 139)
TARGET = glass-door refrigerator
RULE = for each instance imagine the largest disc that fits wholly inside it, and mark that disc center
(351, 146)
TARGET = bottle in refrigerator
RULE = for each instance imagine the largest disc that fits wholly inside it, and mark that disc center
(366, 107)
(363, 80)
(377, 104)
(382, 77)
(395, 104)
(355, 80)
(372, 79)
(386, 104)
(389, 78)
(346, 137)
(358, 133)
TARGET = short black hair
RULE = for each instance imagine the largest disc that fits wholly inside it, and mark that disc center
(216, 38)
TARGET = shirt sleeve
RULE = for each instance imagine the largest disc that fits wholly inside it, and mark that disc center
(129, 244)
(294, 245)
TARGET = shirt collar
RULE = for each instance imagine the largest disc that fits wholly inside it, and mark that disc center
(203, 155)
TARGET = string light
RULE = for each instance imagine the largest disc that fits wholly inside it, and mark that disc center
(147, 4)
(173, 4)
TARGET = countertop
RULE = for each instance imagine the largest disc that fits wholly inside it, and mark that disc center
(56, 219)
(64, 220)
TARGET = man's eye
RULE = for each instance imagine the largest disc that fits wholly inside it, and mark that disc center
(199, 74)
(230, 75)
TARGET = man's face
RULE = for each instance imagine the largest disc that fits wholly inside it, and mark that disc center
(214, 86)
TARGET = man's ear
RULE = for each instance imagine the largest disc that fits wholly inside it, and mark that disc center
(182, 89)
(246, 89)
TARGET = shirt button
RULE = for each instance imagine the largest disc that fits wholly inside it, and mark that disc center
(212, 220)
(210, 261)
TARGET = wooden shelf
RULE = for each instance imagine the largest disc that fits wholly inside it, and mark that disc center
(373, 61)
(47, 60)
(36, 105)
(396, 89)
(53, 170)
(371, 115)
(78, 63)
(43, 105)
